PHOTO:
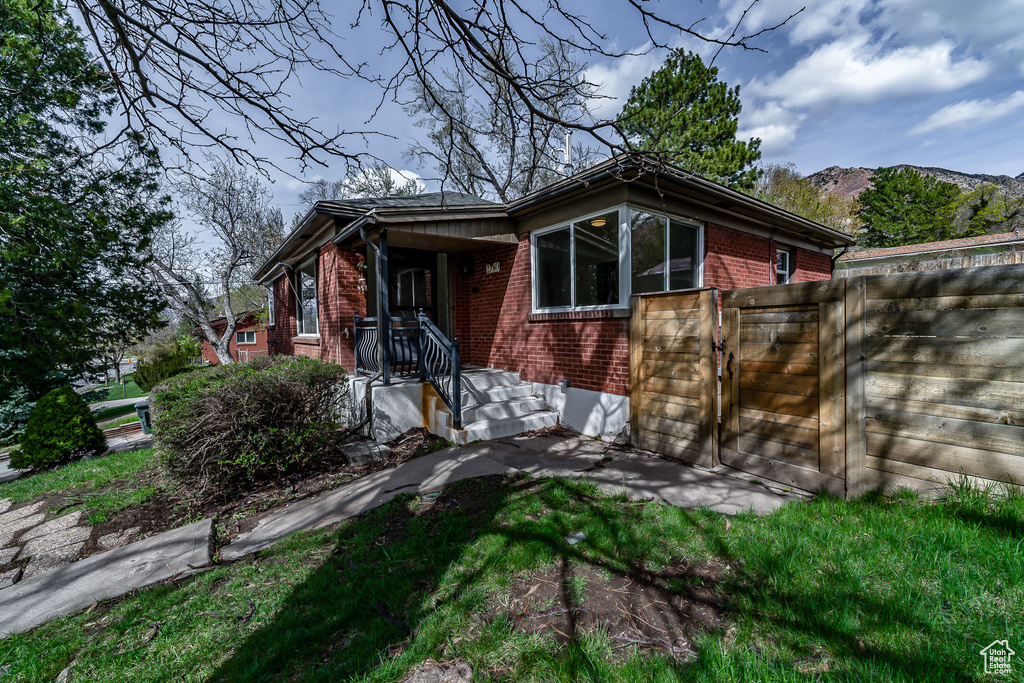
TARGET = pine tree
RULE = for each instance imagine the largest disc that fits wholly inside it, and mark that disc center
(906, 207)
(683, 110)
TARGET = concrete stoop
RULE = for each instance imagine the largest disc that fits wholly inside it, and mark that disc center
(495, 404)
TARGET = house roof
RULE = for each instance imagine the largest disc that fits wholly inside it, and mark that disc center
(425, 200)
(652, 173)
(926, 247)
(664, 178)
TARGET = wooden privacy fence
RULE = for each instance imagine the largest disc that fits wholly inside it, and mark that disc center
(674, 392)
(880, 381)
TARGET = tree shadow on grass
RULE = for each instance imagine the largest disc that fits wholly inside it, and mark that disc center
(409, 581)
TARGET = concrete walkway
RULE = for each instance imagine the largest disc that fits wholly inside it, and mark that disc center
(114, 403)
(612, 470)
(62, 591)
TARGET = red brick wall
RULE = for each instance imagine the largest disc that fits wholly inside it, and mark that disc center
(734, 260)
(259, 348)
(285, 325)
(811, 266)
(493, 324)
(338, 274)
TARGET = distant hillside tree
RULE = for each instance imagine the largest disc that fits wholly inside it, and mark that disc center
(906, 207)
(987, 210)
(685, 112)
(782, 185)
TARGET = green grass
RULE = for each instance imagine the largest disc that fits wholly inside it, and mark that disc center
(112, 391)
(111, 413)
(83, 481)
(878, 589)
(120, 421)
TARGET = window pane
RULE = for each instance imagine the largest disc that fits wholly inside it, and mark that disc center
(597, 260)
(307, 300)
(682, 256)
(647, 244)
(782, 266)
(553, 269)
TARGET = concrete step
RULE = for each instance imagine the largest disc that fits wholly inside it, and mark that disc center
(497, 410)
(474, 397)
(485, 378)
(496, 428)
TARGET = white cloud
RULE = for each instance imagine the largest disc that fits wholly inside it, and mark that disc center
(615, 80)
(853, 71)
(775, 125)
(971, 113)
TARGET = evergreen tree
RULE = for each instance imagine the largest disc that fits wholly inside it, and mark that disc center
(906, 207)
(74, 213)
(683, 110)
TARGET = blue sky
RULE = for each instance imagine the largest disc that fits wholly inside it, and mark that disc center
(845, 82)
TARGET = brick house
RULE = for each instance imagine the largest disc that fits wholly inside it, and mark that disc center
(537, 289)
(249, 341)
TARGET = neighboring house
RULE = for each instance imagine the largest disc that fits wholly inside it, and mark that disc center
(539, 287)
(984, 250)
(249, 340)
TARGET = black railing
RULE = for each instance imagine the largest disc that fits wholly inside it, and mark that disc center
(415, 347)
(439, 365)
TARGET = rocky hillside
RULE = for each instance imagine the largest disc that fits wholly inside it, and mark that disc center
(850, 182)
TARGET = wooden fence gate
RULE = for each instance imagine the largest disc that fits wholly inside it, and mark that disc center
(784, 383)
(673, 363)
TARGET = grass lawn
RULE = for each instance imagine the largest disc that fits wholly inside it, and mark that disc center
(115, 412)
(100, 487)
(878, 589)
(112, 391)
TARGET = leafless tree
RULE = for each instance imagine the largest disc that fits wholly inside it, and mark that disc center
(180, 66)
(498, 148)
(235, 208)
(371, 180)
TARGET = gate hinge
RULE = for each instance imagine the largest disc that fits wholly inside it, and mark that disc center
(718, 347)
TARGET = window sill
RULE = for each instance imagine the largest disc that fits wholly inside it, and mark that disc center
(310, 339)
(554, 316)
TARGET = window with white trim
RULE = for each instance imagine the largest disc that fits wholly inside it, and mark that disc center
(308, 308)
(245, 337)
(664, 253)
(596, 261)
(270, 305)
(783, 265)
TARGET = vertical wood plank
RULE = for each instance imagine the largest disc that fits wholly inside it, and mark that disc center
(730, 384)
(708, 426)
(856, 371)
(636, 341)
(832, 378)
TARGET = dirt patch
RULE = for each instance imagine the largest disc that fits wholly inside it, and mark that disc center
(663, 610)
(414, 443)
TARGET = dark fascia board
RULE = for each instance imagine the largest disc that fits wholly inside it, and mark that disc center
(660, 176)
(417, 214)
(296, 235)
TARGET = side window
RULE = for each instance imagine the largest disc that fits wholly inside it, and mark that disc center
(270, 304)
(308, 307)
(783, 265)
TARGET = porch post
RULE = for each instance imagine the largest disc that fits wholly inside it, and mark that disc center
(384, 322)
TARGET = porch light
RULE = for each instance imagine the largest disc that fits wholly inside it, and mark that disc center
(599, 222)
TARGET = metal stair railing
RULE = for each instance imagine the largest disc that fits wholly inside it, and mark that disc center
(439, 364)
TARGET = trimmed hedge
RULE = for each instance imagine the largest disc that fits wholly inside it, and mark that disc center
(60, 429)
(148, 375)
(226, 428)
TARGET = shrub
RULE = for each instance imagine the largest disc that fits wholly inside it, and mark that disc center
(60, 429)
(148, 375)
(15, 410)
(228, 427)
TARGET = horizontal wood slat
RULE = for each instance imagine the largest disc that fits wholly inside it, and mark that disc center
(954, 282)
(673, 387)
(780, 418)
(991, 351)
(988, 372)
(947, 458)
(779, 353)
(775, 316)
(797, 385)
(941, 323)
(1007, 439)
(781, 433)
(978, 393)
(806, 406)
(783, 473)
(800, 293)
(794, 455)
(947, 302)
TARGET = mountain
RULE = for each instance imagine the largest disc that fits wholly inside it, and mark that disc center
(850, 182)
